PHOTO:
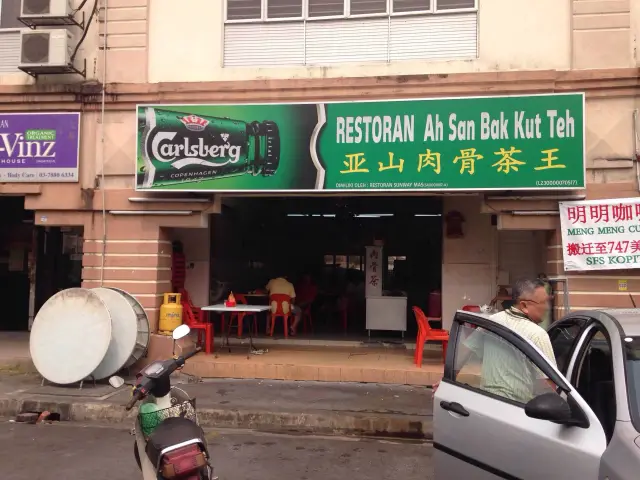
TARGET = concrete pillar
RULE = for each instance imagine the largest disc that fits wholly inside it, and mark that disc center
(137, 259)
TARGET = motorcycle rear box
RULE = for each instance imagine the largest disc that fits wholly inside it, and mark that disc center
(171, 432)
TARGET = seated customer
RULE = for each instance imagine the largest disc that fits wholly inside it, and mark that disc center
(307, 292)
(282, 286)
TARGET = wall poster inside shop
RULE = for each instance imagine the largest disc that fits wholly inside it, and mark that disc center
(601, 234)
(532, 142)
(39, 147)
(373, 272)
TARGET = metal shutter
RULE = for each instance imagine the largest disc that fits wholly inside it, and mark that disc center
(434, 37)
(264, 44)
(340, 41)
(9, 52)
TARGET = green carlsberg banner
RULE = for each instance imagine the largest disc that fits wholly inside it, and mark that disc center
(481, 143)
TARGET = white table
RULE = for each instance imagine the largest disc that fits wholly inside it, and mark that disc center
(387, 313)
(239, 308)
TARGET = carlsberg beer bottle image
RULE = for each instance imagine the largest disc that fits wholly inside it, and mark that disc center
(181, 147)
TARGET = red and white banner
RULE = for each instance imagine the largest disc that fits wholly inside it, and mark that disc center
(601, 234)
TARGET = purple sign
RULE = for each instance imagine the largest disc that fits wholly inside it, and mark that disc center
(39, 147)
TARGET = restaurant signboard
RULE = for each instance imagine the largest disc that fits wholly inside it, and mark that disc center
(532, 142)
(601, 234)
(39, 147)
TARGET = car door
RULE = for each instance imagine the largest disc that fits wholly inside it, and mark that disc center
(480, 434)
(564, 335)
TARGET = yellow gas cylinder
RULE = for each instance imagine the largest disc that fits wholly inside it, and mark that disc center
(170, 313)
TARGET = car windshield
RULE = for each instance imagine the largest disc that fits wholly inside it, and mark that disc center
(632, 345)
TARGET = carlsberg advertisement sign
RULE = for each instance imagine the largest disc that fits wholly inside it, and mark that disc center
(533, 142)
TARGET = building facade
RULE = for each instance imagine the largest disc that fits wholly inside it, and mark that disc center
(280, 51)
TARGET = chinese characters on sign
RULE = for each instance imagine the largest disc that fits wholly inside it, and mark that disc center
(528, 142)
(373, 272)
(536, 146)
(601, 234)
(355, 162)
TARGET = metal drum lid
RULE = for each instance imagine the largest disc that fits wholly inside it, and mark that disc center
(142, 321)
(70, 336)
(123, 333)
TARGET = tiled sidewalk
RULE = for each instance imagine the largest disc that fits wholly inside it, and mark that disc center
(328, 364)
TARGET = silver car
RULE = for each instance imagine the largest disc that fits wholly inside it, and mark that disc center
(581, 422)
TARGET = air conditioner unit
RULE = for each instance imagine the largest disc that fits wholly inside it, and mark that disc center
(45, 48)
(45, 8)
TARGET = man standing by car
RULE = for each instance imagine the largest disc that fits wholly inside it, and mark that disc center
(504, 372)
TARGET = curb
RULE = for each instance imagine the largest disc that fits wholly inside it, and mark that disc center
(319, 423)
(18, 366)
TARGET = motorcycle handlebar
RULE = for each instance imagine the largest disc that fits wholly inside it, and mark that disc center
(196, 351)
(134, 399)
(171, 366)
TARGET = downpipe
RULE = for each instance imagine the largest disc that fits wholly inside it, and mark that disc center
(105, 6)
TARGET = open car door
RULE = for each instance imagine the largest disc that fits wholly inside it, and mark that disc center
(488, 423)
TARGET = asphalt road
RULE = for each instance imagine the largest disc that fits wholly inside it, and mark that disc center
(52, 452)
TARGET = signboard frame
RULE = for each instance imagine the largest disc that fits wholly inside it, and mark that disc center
(61, 168)
(322, 172)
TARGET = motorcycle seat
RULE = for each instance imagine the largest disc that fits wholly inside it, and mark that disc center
(172, 431)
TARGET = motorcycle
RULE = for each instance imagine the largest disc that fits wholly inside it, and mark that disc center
(172, 443)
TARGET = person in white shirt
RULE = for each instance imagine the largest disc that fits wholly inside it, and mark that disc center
(282, 286)
(504, 371)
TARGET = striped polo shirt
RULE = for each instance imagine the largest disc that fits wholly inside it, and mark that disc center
(506, 371)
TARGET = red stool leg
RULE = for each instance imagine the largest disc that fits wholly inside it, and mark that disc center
(207, 339)
(445, 344)
(420, 349)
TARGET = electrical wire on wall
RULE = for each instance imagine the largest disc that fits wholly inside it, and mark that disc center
(102, 137)
(636, 145)
(94, 10)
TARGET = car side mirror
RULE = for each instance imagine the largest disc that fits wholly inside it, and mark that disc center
(550, 406)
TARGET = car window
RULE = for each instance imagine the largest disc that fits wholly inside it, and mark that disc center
(593, 378)
(490, 364)
(563, 338)
(632, 347)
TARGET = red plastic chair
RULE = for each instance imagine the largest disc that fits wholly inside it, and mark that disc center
(199, 324)
(307, 319)
(343, 311)
(425, 333)
(240, 316)
(186, 298)
(472, 308)
(280, 311)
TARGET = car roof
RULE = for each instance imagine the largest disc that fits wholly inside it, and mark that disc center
(628, 318)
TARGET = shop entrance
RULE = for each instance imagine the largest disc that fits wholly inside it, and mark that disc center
(324, 239)
(15, 247)
(35, 263)
(59, 261)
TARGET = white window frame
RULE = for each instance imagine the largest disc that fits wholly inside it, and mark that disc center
(433, 10)
(17, 29)
(454, 10)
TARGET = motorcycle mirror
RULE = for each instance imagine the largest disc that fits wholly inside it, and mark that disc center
(116, 382)
(181, 332)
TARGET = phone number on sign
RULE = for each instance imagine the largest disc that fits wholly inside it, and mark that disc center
(55, 175)
(550, 183)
